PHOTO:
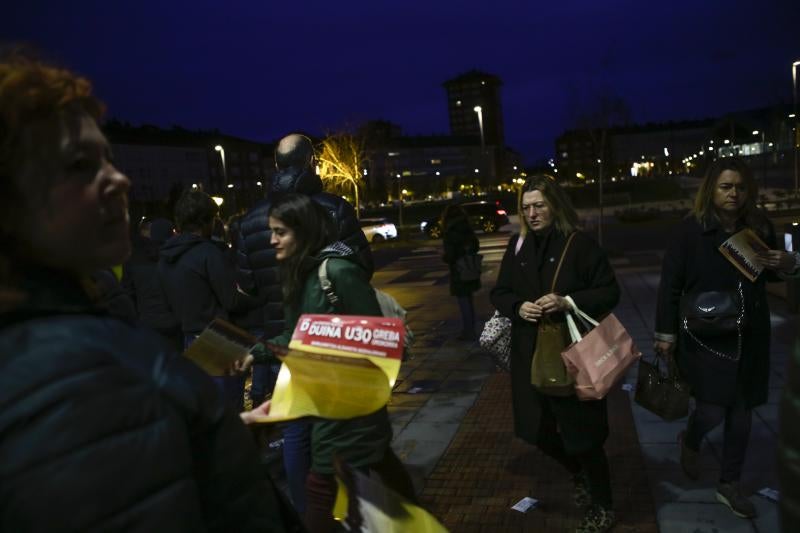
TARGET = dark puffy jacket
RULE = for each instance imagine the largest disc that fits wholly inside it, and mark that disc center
(258, 267)
(142, 284)
(199, 280)
(102, 429)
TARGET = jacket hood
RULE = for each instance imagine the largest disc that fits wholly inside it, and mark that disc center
(178, 245)
(298, 180)
(334, 250)
(337, 249)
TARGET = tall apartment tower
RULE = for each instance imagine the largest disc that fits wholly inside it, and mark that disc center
(464, 93)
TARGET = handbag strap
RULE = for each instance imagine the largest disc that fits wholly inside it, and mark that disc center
(325, 283)
(739, 323)
(561, 261)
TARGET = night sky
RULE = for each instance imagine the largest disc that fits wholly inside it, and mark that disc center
(262, 68)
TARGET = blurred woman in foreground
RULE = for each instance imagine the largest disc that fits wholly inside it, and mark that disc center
(102, 427)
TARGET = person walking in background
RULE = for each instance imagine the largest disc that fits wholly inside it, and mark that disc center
(459, 241)
(199, 280)
(303, 237)
(259, 273)
(569, 430)
(728, 372)
(142, 284)
(101, 427)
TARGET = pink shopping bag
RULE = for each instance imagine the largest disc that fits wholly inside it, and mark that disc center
(599, 359)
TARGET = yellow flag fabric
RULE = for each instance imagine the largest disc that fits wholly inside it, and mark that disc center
(380, 509)
(337, 367)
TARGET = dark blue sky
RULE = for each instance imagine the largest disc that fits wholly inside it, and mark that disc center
(262, 68)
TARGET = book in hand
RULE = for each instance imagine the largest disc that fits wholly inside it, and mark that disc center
(742, 250)
(219, 346)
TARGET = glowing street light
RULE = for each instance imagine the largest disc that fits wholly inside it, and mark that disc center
(221, 151)
(479, 110)
(217, 200)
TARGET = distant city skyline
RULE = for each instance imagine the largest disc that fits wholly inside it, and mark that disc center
(261, 70)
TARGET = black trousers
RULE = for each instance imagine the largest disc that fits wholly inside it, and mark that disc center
(592, 463)
(738, 422)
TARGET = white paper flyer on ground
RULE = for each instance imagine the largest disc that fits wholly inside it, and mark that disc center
(525, 504)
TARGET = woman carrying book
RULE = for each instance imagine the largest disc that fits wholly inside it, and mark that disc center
(724, 355)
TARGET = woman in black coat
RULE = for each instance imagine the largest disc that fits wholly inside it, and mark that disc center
(569, 430)
(728, 373)
(459, 241)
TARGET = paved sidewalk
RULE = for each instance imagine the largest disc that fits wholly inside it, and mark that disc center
(683, 505)
(453, 429)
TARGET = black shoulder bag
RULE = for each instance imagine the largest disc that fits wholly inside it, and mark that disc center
(713, 314)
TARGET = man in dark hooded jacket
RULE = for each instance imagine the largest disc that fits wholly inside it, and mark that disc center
(142, 284)
(258, 268)
(199, 279)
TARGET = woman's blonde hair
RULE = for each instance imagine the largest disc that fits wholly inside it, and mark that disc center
(564, 215)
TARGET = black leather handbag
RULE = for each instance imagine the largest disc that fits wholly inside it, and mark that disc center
(713, 313)
(664, 395)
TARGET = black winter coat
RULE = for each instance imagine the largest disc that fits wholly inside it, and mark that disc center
(693, 263)
(587, 277)
(459, 240)
(103, 429)
(258, 268)
(199, 280)
(142, 284)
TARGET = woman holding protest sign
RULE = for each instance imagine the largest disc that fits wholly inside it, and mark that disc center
(301, 236)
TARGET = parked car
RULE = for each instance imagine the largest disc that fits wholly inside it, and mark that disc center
(378, 229)
(485, 216)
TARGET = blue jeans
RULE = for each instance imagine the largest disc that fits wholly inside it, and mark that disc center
(231, 387)
(297, 459)
(467, 315)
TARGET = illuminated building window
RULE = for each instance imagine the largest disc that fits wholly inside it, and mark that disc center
(436, 161)
(393, 154)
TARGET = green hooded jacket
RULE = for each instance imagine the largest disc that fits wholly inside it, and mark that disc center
(359, 441)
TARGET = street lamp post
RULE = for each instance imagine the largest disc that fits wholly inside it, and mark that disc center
(756, 133)
(400, 204)
(796, 122)
(221, 151)
(479, 110)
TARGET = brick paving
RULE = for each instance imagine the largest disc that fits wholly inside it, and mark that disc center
(486, 470)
